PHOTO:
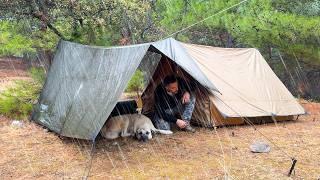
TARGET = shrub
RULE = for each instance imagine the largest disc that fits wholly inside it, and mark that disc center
(136, 83)
(17, 101)
(38, 75)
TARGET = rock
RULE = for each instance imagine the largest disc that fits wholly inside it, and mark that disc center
(17, 123)
(35, 102)
(260, 147)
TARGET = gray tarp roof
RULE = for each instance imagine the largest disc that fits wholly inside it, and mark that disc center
(85, 82)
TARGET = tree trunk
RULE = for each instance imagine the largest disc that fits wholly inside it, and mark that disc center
(229, 41)
(44, 59)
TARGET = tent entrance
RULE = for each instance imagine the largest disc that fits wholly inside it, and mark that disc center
(167, 67)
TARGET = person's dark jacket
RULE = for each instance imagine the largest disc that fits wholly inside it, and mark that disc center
(164, 101)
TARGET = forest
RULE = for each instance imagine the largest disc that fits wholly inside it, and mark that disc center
(286, 32)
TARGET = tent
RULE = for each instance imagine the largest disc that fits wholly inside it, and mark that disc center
(85, 82)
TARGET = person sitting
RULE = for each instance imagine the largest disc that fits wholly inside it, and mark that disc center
(174, 104)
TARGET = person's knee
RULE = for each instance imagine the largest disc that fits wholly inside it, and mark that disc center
(192, 99)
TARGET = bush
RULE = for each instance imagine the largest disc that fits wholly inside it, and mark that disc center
(38, 75)
(136, 83)
(17, 101)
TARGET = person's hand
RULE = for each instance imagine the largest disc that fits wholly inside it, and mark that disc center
(186, 98)
(181, 124)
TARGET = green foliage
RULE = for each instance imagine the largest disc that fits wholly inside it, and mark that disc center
(38, 75)
(17, 101)
(11, 41)
(17, 37)
(104, 22)
(38, 25)
(43, 40)
(300, 7)
(290, 26)
(136, 83)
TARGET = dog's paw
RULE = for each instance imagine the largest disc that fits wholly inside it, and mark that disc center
(170, 132)
(167, 132)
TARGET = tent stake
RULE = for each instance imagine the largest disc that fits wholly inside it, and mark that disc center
(294, 161)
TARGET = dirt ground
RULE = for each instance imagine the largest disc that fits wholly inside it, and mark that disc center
(32, 152)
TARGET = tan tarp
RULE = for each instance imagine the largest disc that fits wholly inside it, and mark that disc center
(250, 91)
(248, 85)
(205, 113)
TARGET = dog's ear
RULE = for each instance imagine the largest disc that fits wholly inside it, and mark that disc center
(137, 133)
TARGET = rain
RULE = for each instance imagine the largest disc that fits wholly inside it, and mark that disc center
(68, 66)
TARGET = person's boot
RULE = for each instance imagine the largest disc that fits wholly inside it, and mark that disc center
(189, 128)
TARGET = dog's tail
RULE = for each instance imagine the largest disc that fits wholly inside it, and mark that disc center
(163, 131)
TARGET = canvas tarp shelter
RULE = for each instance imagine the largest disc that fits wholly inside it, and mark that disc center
(85, 82)
(248, 85)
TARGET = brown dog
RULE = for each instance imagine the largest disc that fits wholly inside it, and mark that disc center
(137, 125)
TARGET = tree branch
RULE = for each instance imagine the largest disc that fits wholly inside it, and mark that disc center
(44, 19)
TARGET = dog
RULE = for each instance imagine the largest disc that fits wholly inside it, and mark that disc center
(137, 125)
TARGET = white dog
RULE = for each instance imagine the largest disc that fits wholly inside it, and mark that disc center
(130, 125)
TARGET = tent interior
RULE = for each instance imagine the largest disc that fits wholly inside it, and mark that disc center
(205, 114)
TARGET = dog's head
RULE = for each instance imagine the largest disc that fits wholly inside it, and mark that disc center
(143, 134)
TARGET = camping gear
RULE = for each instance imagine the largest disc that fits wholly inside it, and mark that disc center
(85, 83)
